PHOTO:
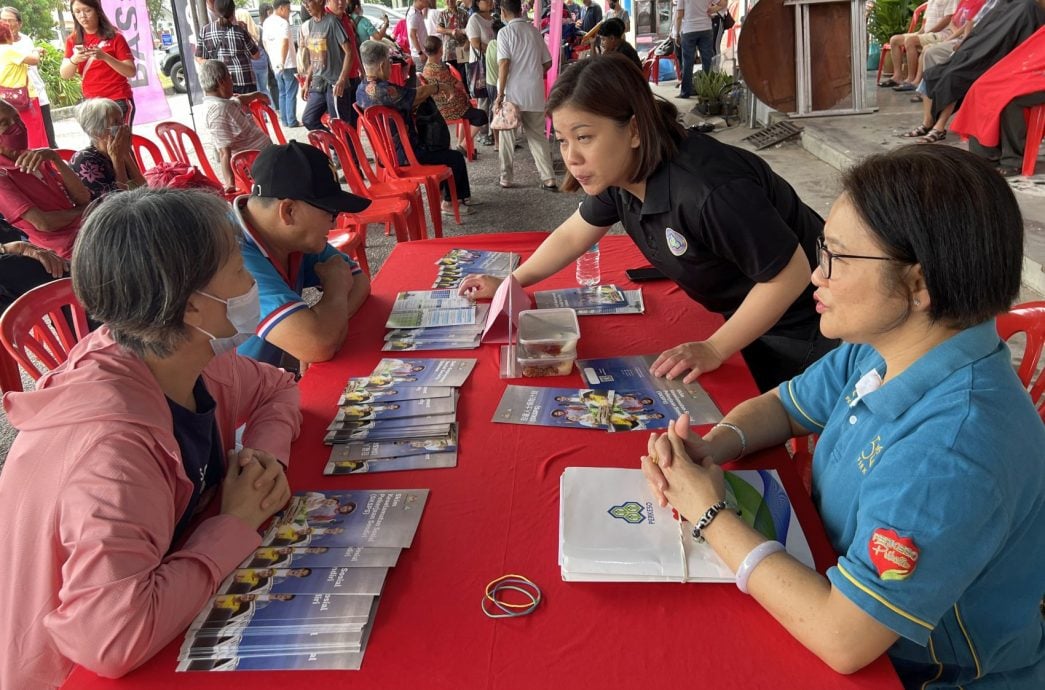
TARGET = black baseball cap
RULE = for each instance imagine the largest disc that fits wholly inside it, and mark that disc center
(303, 173)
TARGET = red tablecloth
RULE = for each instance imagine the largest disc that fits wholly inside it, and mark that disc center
(498, 512)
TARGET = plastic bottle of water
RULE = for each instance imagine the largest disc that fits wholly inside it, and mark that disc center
(588, 274)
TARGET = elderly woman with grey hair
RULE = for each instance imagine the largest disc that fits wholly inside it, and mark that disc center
(144, 504)
(108, 164)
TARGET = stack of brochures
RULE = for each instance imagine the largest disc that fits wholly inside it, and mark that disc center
(403, 416)
(458, 264)
(611, 527)
(306, 599)
(593, 301)
(434, 320)
(621, 396)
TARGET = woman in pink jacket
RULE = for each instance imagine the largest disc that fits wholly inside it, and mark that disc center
(105, 556)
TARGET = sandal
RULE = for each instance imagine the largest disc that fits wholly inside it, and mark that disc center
(1006, 171)
(906, 86)
(933, 136)
(888, 83)
(919, 131)
(550, 187)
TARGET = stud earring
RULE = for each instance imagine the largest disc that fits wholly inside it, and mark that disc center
(917, 303)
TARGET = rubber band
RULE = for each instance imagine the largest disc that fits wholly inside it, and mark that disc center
(518, 583)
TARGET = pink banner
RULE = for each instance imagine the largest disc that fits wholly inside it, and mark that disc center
(131, 18)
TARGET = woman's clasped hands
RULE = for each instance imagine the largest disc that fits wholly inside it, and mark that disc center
(690, 486)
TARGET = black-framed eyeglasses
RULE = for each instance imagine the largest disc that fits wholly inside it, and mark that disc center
(825, 257)
(333, 214)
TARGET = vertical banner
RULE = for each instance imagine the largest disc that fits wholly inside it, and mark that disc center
(131, 19)
(186, 33)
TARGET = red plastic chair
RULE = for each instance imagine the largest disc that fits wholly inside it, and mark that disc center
(385, 211)
(267, 121)
(174, 135)
(242, 162)
(141, 145)
(1035, 131)
(10, 378)
(23, 330)
(1028, 318)
(65, 154)
(384, 126)
(376, 188)
(911, 28)
(651, 65)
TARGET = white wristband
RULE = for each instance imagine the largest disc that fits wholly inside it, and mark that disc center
(751, 561)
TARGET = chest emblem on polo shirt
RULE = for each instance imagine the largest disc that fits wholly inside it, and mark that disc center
(676, 242)
(869, 455)
(893, 556)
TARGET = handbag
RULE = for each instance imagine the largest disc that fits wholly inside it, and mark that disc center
(505, 117)
(17, 97)
(727, 20)
(477, 76)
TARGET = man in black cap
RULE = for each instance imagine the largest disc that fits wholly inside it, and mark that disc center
(293, 205)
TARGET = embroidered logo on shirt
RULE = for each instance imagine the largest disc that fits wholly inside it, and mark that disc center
(676, 242)
(893, 556)
(869, 456)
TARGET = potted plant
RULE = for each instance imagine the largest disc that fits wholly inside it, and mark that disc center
(709, 88)
(889, 18)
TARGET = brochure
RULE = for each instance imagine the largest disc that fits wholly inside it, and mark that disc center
(264, 613)
(204, 644)
(458, 263)
(612, 528)
(322, 557)
(422, 372)
(642, 395)
(301, 580)
(348, 518)
(428, 461)
(432, 317)
(394, 409)
(368, 450)
(581, 298)
(357, 391)
(418, 343)
(561, 407)
(392, 430)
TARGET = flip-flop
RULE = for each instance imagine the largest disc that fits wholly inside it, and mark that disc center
(905, 87)
(888, 83)
(919, 131)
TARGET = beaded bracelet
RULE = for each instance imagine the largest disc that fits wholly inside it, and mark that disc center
(706, 519)
(740, 433)
(753, 559)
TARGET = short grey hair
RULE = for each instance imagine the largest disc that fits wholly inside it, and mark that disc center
(373, 54)
(94, 115)
(14, 11)
(141, 254)
(211, 74)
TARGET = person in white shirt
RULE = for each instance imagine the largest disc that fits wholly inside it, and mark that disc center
(284, 61)
(693, 24)
(522, 61)
(417, 32)
(938, 14)
(231, 126)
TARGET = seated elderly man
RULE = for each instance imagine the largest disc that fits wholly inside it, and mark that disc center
(232, 128)
(377, 90)
(294, 204)
(107, 164)
(39, 193)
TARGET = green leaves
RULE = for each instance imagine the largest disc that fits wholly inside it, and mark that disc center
(62, 92)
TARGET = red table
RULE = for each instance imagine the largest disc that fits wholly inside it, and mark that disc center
(498, 513)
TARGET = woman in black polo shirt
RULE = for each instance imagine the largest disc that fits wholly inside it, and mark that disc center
(713, 218)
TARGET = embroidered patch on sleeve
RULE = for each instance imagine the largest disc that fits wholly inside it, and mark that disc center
(893, 556)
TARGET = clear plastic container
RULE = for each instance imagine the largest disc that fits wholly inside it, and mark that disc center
(548, 334)
(531, 367)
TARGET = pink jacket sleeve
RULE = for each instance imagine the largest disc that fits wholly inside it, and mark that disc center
(123, 597)
(263, 397)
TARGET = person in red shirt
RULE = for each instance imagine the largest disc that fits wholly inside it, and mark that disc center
(100, 55)
(39, 193)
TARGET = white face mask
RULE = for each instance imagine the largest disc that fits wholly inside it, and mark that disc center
(243, 312)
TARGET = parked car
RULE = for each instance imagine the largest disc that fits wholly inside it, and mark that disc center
(171, 65)
(376, 12)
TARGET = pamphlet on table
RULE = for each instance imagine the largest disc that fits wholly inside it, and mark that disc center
(611, 527)
(456, 264)
(401, 417)
(630, 378)
(297, 604)
(434, 320)
(595, 301)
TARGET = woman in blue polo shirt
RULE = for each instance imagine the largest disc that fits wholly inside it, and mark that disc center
(713, 218)
(930, 469)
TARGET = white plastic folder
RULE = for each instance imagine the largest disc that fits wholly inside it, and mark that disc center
(611, 528)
